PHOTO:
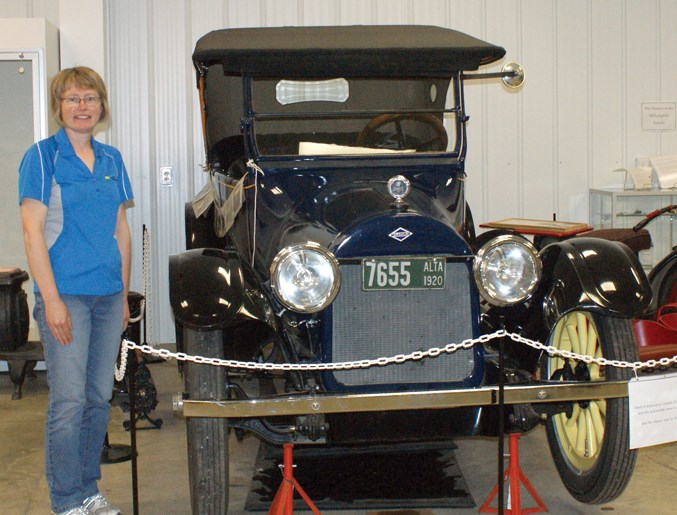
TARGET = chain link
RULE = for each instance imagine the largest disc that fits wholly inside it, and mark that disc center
(383, 361)
(145, 269)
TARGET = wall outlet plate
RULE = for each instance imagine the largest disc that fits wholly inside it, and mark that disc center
(166, 176)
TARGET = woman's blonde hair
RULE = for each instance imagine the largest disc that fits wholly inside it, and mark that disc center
(81, 77)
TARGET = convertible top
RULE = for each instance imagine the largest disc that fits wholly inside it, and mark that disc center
(360, 50)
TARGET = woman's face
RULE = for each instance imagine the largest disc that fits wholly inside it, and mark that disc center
(80, 109)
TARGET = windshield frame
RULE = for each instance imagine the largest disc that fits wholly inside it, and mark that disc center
(454, 123)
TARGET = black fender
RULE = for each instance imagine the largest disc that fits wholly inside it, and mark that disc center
(209, 289)
(595, 275)
(200, 231)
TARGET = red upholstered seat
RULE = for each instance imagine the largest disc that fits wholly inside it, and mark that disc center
(657, 339)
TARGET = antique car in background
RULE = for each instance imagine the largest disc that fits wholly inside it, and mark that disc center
(335, 229)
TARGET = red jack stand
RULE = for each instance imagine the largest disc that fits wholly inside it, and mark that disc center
(516, 476)
(283, 503)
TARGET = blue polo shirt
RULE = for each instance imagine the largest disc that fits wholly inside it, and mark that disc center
(82, 212)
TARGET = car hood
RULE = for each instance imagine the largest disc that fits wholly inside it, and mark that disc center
(329, 206)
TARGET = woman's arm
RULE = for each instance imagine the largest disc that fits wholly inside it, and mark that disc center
(33, 216)
(124, 239)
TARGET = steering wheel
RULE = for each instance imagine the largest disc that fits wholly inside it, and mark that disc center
(437, 142)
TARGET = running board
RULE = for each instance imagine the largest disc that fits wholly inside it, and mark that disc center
(437, 399)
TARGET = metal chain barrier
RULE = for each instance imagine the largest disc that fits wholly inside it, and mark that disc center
(120, 371)
(383, 361)
(145, 268)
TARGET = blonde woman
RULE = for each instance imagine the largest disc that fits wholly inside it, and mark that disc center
(72, 193)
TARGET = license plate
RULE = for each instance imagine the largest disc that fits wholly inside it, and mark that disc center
(411, 273)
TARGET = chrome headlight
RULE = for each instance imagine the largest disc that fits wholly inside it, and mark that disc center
(507, 270)
(305, 278)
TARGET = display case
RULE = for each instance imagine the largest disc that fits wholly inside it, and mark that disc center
(616, 208)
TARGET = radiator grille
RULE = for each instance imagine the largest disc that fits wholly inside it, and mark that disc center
(371, 324)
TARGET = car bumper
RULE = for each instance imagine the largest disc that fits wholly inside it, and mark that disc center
(316, 404)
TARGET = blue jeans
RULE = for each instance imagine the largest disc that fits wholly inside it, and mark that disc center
(80, 378)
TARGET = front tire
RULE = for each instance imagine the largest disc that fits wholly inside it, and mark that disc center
(208, 468)
(590, 442)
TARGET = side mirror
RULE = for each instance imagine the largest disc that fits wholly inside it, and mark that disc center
(513, 75)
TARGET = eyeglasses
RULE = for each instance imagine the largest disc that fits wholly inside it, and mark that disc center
(89, 100)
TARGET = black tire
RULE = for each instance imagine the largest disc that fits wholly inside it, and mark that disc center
(207, 437)
(590, 444)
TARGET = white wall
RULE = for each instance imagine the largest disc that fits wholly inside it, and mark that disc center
(81, 24)
(589, 63)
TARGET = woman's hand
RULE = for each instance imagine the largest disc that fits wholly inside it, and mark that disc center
(58, 320)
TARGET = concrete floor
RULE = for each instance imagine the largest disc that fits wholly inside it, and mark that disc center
(162, 471)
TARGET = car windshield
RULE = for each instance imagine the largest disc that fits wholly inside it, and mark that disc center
(343, 116)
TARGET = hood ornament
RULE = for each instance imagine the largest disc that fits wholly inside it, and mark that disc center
(398, 188)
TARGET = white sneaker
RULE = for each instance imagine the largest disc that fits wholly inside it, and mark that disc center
(99, 505)
(75, 511)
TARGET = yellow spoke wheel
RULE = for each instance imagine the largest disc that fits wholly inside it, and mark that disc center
(589, 441)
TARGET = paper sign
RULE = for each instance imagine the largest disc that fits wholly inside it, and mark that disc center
(653, 410)
(641, 177)
(225, 214)
(658, 116)
(666, 170)
(203, 200)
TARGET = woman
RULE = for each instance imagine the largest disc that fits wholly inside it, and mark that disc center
(72, 191)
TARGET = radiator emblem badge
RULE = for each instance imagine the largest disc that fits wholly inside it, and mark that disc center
(400, 234)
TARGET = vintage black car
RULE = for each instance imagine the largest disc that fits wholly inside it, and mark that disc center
(335, 229)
